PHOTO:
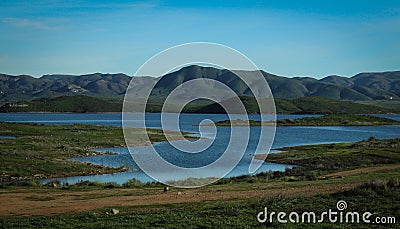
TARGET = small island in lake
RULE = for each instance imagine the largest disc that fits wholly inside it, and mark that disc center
(326, 120)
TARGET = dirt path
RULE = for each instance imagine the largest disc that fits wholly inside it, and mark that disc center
(42, 201)
(27, 203)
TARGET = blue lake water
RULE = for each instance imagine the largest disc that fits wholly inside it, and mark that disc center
(7, 137)
(285, 136)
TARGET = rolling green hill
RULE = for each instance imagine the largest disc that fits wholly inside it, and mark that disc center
(391, 105)
(86, 104)
(305, 105)
(311, 105)
(76, 104)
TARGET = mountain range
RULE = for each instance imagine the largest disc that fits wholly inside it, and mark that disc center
(361, 87)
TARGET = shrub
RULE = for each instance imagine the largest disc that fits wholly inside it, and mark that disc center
(112, 185)
(132, 183)
(88, 184)
(54, 184)
(33, 183)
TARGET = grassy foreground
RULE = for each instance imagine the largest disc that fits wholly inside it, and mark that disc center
(239, 213)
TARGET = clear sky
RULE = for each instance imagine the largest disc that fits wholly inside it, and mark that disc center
(290, 38)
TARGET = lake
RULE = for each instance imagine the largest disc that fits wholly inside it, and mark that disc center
(285, 136)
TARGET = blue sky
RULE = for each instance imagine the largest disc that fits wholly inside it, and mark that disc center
(290, 38)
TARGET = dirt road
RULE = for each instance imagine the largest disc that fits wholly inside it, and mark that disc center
(50, 201)
(26, 203)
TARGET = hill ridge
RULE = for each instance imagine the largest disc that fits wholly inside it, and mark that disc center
(360, 87)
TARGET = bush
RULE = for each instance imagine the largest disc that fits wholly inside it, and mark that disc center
(33, 183)
(112, 185)
(378, 187)
(393, 183)
(132, 183)
(53, 184)
(27, 183)
(88, 184)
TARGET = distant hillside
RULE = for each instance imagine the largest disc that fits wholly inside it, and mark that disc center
(84, 104)
(19, 88)
(393, 105)
(361, 87)
(76, 104)
(312, 105)
(305, 105)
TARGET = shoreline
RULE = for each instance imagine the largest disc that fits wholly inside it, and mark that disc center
(284, 150)
(324, 120)
(120, 112)
(261, 157)
(183, 112)
(107, 171)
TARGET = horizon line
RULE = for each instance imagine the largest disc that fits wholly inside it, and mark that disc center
(116, 73)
